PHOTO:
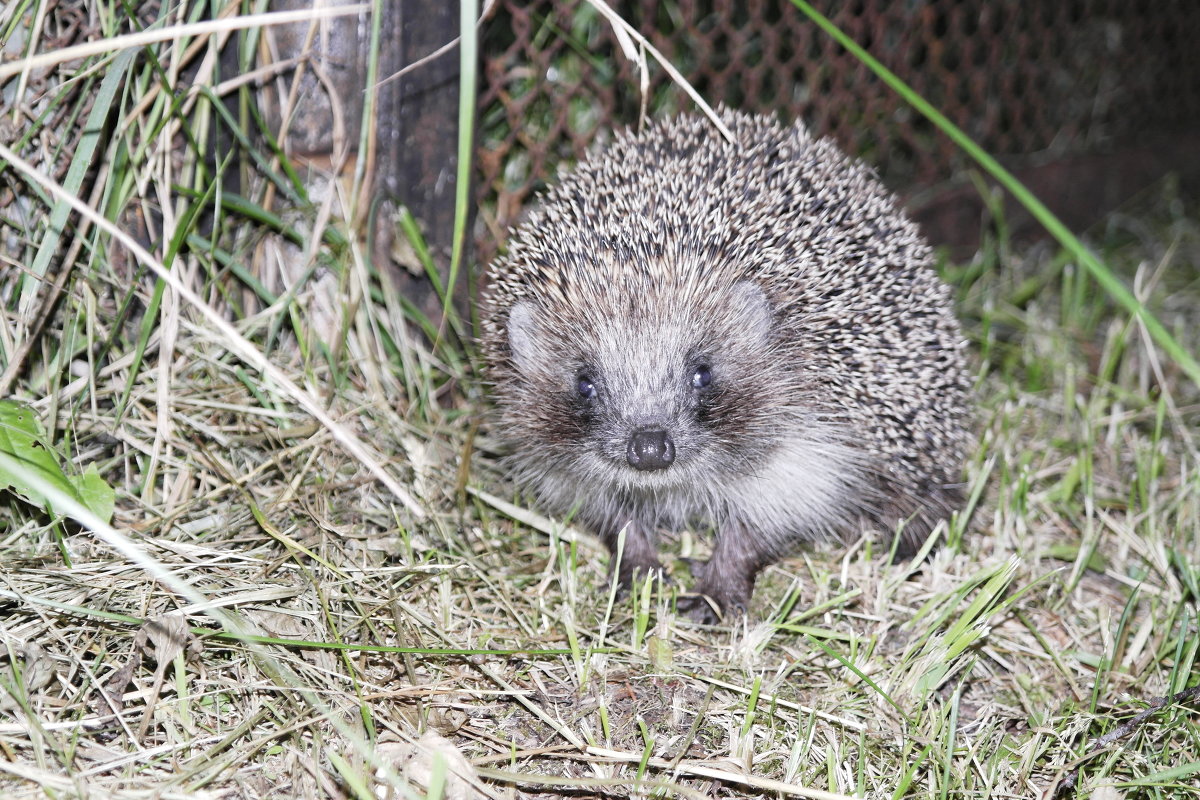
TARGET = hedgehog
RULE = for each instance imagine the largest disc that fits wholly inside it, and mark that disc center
(745, 336)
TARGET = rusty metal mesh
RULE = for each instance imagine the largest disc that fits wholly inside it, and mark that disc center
(1021, 77)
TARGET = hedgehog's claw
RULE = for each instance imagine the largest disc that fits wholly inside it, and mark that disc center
(700, 608)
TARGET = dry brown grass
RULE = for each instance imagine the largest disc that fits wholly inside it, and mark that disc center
(266, 618)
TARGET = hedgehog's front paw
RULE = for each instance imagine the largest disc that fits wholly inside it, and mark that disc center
(723, 588)
(711, 605)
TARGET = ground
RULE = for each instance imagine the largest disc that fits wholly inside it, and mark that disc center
(318, 581)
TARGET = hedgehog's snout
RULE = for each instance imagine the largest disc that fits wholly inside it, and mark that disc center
(650, 450)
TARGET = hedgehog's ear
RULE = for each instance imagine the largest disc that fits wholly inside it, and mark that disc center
(524, 335)
(757, 316)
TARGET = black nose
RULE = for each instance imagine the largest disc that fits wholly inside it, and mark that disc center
(650, 450)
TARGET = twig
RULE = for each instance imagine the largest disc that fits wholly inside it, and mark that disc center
(1067, 782)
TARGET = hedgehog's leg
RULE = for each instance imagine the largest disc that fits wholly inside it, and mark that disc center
(639, 552)
(727, 580)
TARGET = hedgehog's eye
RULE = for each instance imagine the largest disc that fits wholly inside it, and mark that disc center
(701, 378)
(585, 386)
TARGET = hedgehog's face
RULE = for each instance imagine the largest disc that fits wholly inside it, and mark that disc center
(665, 394)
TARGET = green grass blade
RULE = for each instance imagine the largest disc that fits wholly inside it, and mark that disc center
(85, 152)
(468, 48)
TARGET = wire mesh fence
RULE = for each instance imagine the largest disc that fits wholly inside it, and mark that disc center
(1021, 77)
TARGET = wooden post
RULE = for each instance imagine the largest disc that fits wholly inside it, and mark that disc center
(416, 122)
(418, 133)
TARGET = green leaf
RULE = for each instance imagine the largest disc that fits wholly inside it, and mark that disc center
(21, 437)
(95, 493)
